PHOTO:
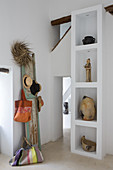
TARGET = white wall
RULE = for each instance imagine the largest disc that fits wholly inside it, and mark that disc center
(61, 57)
(60, 66)
(64, 28)
(65, 10)
(108, 81)
(57, 130)
(66, 117)
(66, 83)
(27, 20)
(67, 121)
(6, 112)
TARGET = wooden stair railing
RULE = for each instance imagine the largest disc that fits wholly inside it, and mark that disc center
(61, 38)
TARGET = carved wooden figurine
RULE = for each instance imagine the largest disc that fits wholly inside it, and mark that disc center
(88, 70)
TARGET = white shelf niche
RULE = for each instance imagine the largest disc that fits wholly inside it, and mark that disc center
(90, 133)
(86, 25)
(86, 22)
(80, 93)
(81, 59)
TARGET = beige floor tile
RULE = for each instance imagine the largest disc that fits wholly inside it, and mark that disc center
(57, 156)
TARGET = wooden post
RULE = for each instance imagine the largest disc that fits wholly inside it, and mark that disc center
(32, 128)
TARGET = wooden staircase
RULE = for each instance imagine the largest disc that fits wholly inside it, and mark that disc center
(61, 38)
(59, 21)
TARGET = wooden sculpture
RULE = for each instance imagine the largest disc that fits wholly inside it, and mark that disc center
(88, 145)
(88, 70)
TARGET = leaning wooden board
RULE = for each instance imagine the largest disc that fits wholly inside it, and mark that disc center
(32, 128)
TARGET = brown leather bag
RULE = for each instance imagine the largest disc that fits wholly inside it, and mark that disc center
(23, 109)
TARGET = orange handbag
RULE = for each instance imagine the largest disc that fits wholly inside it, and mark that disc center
(23, 109)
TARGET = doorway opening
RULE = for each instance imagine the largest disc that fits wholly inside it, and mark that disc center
(66, 105)
(6, 111)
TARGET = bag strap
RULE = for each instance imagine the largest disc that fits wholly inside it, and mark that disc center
(23, 95)
(25, 139)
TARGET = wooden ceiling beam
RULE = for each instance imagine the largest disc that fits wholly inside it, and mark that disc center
(109, 9)
(61, 20)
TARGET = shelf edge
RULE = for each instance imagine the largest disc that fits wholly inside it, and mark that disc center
(86, 47)
(92, 124)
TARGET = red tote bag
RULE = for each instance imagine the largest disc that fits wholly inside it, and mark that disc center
(23, 109)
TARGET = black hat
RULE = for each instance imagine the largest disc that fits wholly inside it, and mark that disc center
(35, 88)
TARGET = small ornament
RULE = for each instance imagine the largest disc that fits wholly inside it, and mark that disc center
(66, 108)
(87, 108)
(88, 145)
(88, 70)
(88, 40)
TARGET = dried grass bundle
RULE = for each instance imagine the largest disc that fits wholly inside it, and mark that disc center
(21, 53)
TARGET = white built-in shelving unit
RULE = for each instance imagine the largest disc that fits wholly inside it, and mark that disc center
(86, 22)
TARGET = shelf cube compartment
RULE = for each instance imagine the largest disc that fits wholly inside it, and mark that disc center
(81, 59)
(80, 93)
(86, 25)
(89, 133)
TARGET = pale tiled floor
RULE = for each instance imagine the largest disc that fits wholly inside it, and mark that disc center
(57, 156)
